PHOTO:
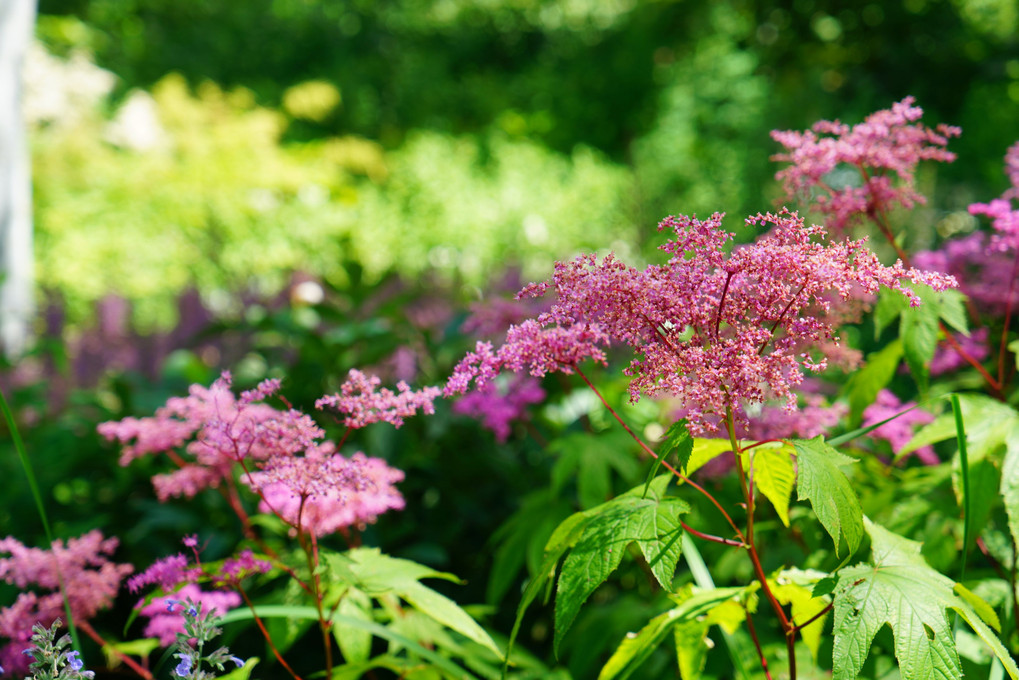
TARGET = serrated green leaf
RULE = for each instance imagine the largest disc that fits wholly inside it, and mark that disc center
(918, 330)
(890, 304)
(982, 609)
(952, 309)
(863, 386)
(804, 607)
(1010, 481)
(355, 643)
(899, 589)
(704, 450)
(635, 648)
(678, 439)
(820, 481)
(651, 523)
(775, 476)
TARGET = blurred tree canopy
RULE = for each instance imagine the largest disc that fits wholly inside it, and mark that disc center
(670, 102)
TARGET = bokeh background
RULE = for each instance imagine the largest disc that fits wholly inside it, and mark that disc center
(293, 188)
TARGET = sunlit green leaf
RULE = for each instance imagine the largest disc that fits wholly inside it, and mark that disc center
(820, 481)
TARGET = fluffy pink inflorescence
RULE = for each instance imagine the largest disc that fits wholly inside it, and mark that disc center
(530, 346)
(165, 624)
(167, 573)
(898, 432)
(363, 405)
(222, 431)
(498, 407)
(719, 332)
(1004, 218)
(235, 569)
(888, 141)
(91, 582)
(322, 492)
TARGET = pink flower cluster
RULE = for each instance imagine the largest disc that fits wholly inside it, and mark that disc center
(497, 407)
(90, 579)
(165, 622)
(304, 481)
(898, 432)
(321, 492)
(719, 332)
(947, 359)
(984, 273)
(530, 346)
(362, 405)
(1004, 218)
(888, 141)
(221, 430)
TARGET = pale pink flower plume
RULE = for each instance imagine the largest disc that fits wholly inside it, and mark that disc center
(91, 581)
(363, 403)
(889, 143)
(719, 332)
(165, 624)
(498, 406)
(222, 431)
(899, 431)
(322, 492)
(1004, 218)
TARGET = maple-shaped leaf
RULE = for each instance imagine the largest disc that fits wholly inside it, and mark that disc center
(901, 590)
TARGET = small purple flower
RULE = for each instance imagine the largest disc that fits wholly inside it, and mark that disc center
(170, 604)
(73, 661)
(192, 612)
(190, 541)
(184, 667)
(28, 652)
(1, 670)
(238, 661)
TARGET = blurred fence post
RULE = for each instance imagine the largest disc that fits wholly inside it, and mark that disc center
(17, 22)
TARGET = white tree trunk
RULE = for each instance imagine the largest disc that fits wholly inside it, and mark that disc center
(17, 22)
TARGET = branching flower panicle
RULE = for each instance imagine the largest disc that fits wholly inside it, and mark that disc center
(718, 331)
(90, 579)
(225, 430)
(363, 403)
(888, 143)
(1004, 218)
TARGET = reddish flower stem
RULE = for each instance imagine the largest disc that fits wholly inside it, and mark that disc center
(755, 558)
(265, 634)
(654, 455)
(708, 537)
(1003, 350)
(797, 628)
(757, 643)
(87, 628)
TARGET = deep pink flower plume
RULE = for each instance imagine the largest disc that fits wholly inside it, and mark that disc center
(363, 403)
(1004, 218)
(899, 431)
(888, 144)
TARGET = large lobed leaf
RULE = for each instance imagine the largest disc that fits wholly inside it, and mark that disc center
(899, 589)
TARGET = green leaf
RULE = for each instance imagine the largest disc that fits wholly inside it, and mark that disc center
(890, 304)
(592, 460)
(1013, 347)
(242, 673)
(652, 523)
(804, 607)
(952, 309)
(1010, 482)
(775, 476)
(678, 439)
(899, 589)
(635, 648)
(355, 643)
(378, 574)
(820, 481)
(704, 450)
(918, 330)
(863, 386)
(311, 614)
